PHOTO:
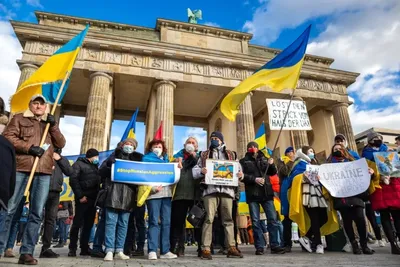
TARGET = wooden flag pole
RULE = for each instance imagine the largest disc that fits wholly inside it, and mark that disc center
(292, 140)
(46, 130)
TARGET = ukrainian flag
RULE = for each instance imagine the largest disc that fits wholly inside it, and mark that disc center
(282, 72)
(261, 140)
(48, 78)
(131, 128)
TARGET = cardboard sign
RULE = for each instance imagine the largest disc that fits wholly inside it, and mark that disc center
(296, 119)
(222, 172)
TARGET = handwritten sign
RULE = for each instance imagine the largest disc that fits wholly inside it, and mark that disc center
(312, 173)
(296, 119)
(388, 163)
(345, 179)
(222, 172)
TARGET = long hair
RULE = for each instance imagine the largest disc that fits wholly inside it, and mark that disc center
(345, 153)
(2, 107)
(305, 149)
(156, 142)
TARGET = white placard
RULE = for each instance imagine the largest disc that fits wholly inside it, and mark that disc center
(312, 173)
(345, 179)
(222, 172)
(296, 119)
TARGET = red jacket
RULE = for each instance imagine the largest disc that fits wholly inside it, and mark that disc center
(387, 197)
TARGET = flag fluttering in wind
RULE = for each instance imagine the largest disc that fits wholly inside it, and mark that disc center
(130, 131)
(159, 134)
(47, 80)
(261, 140)
(282, 72)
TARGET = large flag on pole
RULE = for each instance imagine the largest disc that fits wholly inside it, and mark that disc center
(158, 135)
(261, 140)
(130, 131)
(48, 78)
(282, 72)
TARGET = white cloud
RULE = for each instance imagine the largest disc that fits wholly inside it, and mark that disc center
(212, 24)
(34, 3)
(114, 141)
(199, 134)
(72, 129)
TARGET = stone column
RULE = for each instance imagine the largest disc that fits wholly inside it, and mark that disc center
(109, 119)
(343, 123)
(26, 71)
(150, 114)
(244, 126)
(94, 130)
(300, 137)
(165, 112)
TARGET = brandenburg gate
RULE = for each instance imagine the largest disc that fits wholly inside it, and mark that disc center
(179, 73)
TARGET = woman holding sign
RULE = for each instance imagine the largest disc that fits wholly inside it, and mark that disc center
(351, 208)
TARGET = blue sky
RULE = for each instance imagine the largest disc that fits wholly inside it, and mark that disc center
(342, 29)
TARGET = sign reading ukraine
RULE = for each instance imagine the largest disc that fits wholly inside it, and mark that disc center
(145, 173)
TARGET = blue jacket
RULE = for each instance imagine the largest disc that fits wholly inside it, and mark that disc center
(152, 157)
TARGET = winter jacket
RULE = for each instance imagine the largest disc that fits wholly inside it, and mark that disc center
(187, 188)
(120, 196)
(25, 131)
(7, 171)
(3, 122)
(85, 181)
(284, 166)
(61, 168)
(255, 167)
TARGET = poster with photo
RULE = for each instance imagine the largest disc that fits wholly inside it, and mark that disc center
(222, 172)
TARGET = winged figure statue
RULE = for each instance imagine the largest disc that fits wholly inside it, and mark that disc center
(194, 15)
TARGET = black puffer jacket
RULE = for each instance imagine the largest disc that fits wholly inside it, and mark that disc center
(254, 167)
(349, 202)
(85, 181)
(61, 167)
(119, 196)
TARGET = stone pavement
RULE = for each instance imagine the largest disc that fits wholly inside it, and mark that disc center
(382, 257)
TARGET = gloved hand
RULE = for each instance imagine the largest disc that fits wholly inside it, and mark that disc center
(51, 119)
(36, 151)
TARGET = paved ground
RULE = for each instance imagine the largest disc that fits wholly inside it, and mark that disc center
(382, 257)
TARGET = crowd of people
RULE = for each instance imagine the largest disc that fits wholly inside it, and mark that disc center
(121, 230)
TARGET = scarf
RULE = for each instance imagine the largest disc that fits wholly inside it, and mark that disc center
(152, 157)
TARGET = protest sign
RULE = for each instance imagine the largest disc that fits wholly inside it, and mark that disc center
(312, 173)
(388, 163)
(145, 173)
(345, 179)
(296, 119)
(222, 172)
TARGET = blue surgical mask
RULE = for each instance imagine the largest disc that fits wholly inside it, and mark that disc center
(128, 149)
(95, 161)
(214, 144)
(311, 155)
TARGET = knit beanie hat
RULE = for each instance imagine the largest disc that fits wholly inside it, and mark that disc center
(289, 149)
(252, 143)
(218, 135)
(131, 140)
(372, 135)
(91, 153)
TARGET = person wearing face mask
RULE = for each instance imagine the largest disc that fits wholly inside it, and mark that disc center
(217, 197)
(119, 202)
(308, 204)
(187, 191)
(397, 142)
(259, 191)
(85, 183)
(159, 206)
(384, 192)
(351, 208)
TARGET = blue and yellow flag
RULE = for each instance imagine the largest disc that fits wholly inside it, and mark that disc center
(130, 131)
(48, 78)
(261, 140)
(282, 72)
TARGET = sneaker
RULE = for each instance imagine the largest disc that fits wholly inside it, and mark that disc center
(288, 249)
(169, 255)
(137, 253)
(206, 254)
(72, 253)
(259, 252)
(121, 256)
(278, 250)
(320, 249)
(59, 245)
(48, 253)
(109, 256)
(97, 254)
(152, 256)
(9, 253)
(233, 252)
(306, 243)
(85, 252)
(347, 248)
(381, 243)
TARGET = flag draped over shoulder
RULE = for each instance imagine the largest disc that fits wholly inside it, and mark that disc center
(261, 140)
(130, 131)
(48, 78)
(282, 72)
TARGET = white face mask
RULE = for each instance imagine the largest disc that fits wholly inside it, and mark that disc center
(157, 151)
(189, 148)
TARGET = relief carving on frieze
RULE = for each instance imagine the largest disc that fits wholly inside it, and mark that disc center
(157, 63)
(91, 54)
(217, 71)
(316, 85)
(176, 65)
(235, 73)
(113, 57)
(196, 68)
(46, 49)
(136, 60)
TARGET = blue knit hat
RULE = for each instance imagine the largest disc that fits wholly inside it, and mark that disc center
(218, 135)
(289, 149)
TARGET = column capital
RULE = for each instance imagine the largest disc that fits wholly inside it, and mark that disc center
(158, 83)
(28, 65)
(341, 104)
(103, 74)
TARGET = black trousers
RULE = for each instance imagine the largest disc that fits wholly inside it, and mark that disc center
(318, 217)
(221, 232)
(287, 231)
(136, 224)
(356, 215)
(50, 216)
(244, 235)
(179, 211)
(84, 217)
(372, 219)
(387, 224)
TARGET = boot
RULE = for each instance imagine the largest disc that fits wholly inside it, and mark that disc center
(234, 253)
(366, 250)
(395, 248)
(180, 251)
(356, 248)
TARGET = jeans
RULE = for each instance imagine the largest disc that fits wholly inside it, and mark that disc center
(15, 230)
(38, 196)
(62, 228)
(50, 216)
(116, 227)
(84, 216)
(273, 227)
(92, 233)
(159, 208)
(99, 236)
(136, 221)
